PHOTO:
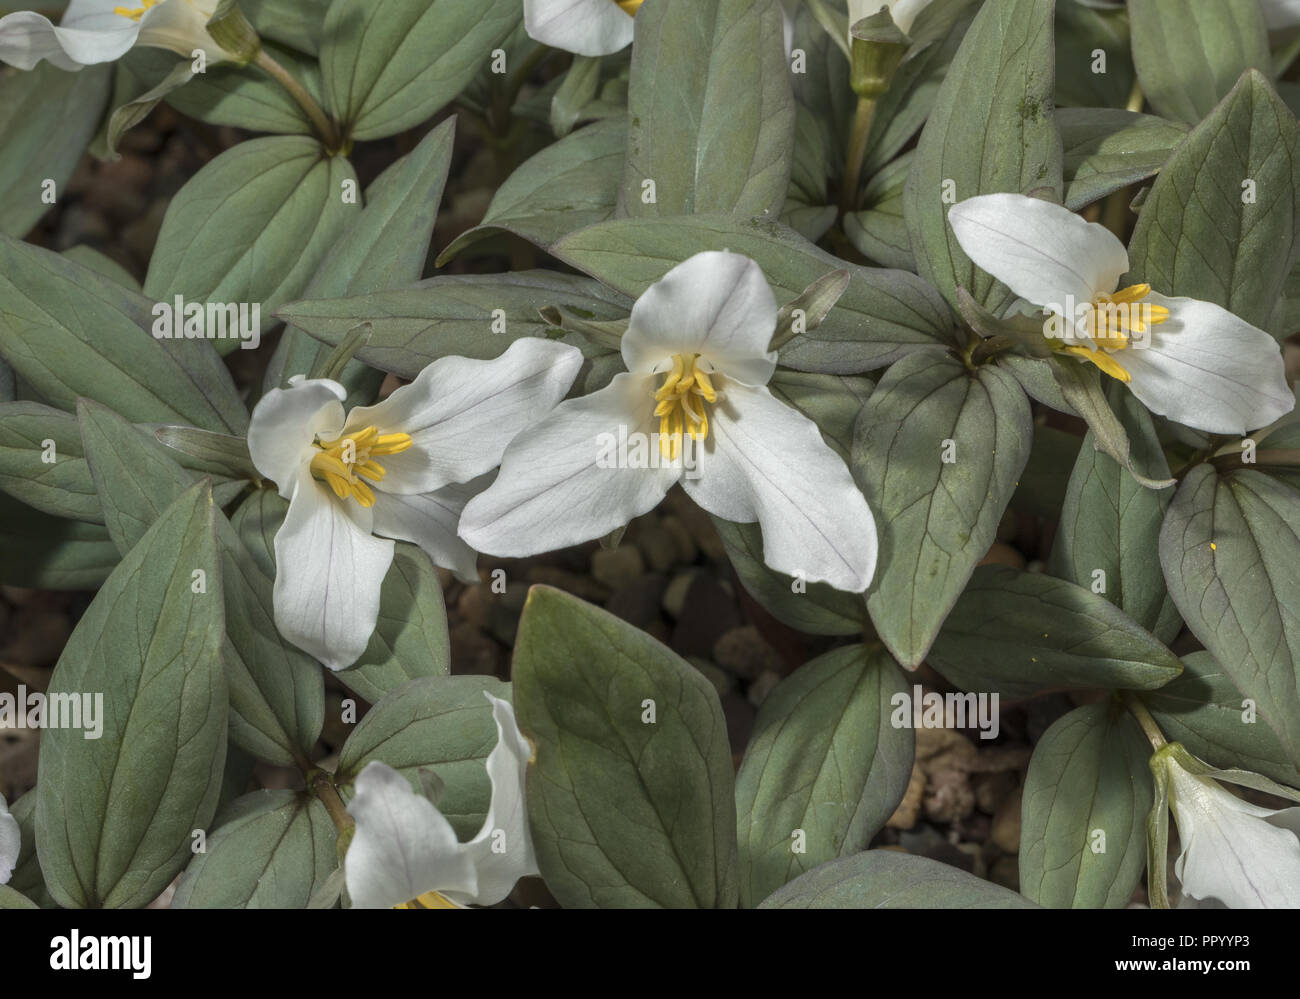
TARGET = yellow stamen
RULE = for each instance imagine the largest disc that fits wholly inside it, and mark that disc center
(429, 900)
(343, 462)
(1114, 320)
(1103, 360)
(682, 404)
(135, 13)
(629, 6)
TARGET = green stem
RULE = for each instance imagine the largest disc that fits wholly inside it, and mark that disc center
(1139, 711)
(1116, 211)
(325, 127)
(329, 797)
(857, 154)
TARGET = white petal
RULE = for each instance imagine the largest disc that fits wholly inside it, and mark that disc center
(181, 27)
(905, 12)
(815, 520)
(1043, 252)
(403, 846)
(286, 422)
(585, 27)
(462, 413)
(329, 569)
(97, 35)
(11, 841)
(502, 849)
(1208, 369)
(1280, 14)
(1231, 851)
(715, 304)
(431, 520)
(552, 490)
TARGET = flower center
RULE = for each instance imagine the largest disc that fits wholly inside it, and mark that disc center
(681, 404)
(630, 6)
(429, 900)
(1114, 319)
(345, 461)
(135, 13)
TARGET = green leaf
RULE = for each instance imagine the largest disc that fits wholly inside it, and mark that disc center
(453, 314)
(252, 226)
(1080, 32)
(568, 185)
(1230, 549)
(298, 23)
(204, 451)
(1086, 799)
(1019, 633)
(884, 879)
(833, 402)
(385, 247)
(144, 98)
(936, 36)
(51, 553)
(256, 521)
(88, 256)
(824, 764)
(1204, 710)
(238, 96)
(51, 477)
(135, 478)
(114, 814)
(391, 64)
(624, 812)
(1110, 524)
(10, 899)
(410, 638)
(1220, 223)
(30, 103)
(1080, 388)
(269, 850)
(992, 129)
(579, 88)
(712, 110)
(1107, 149)
(883, 315)
(936, 518)
(27, 877)
(443, 723)
(815, 608)
(1189, 54)
(69, 331)
(879, 231)
(277, 695)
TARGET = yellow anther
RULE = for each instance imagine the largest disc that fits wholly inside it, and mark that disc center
(135, 13)
(344, 461)
(630, 6)
(1115, 318)
(429, 900)
(681, 404)
(1103, 360)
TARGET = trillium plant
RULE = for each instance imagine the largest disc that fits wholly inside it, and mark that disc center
(650, 453)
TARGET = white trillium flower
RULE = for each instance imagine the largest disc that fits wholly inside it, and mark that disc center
(401, 469)
(1234, 853)
(693, 407)
(95, 31)
(583, 27)
(405, 854)
(1192, 361)
(10, 842)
